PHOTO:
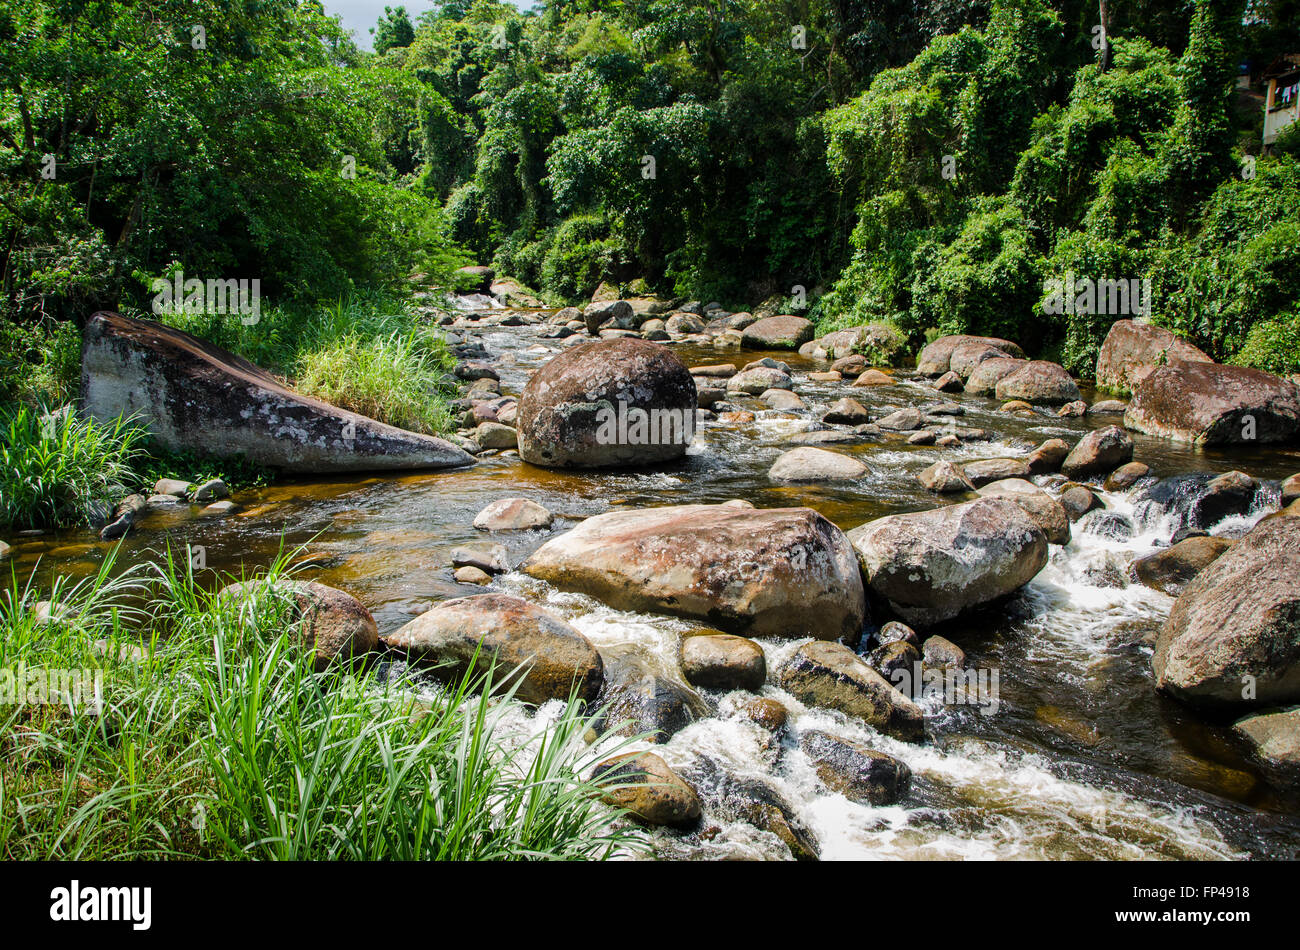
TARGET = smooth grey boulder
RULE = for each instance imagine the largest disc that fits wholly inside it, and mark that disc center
(195, 397)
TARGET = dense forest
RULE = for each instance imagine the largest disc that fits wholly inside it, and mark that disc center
(935, 164)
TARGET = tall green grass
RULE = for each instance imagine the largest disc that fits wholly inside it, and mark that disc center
(57, 468)
(217, 740)
(372, 353)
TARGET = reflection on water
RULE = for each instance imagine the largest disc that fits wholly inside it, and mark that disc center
(1082, 759)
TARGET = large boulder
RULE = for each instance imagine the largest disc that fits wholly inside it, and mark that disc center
(1233, 636)
(607, 403)
(880, 340)
(511, 633)
(332, 623)
(610, 314)
(1038, 382)
(984, 378)
(782, 332)
(1047, 512)
(936, 358)
(833, 676)
(1211, 404)
(930, 566)
(967, 356)
(1133, 351)
(756, 572)
(195, 397)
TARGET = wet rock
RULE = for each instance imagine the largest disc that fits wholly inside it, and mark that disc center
(723, 662)
(736, 798)
(736, 417)
(1239, 617)
(889, 659)
(1072, 410)
(1037, 382)
(756, 572)
(1273, 738)
(128, 509)
(833, 676)
(1047, 512)
(1017, 406)
(512, 633)
(494, 435)
(1210, 404)
(828, 377)
(648, 790)
(1172, 569)
(986, 375)
(513, 514)
(810, 464)
(895, 631)
(173, 486)
(949, 382)
(1133, 351)
(936, 358)
(782, 399)
(1198, 500)
(823, 437)
(924, 437)
(1078, 500)
(945, 478)
(219, 508)
(992, 470)
(947, 441)
(606, 404)
(615, 314)
(1101, 450)
(1108, 524)
(1126, 476)
(860, 774)
(1048, 457)
(491, 558)
(901, 420)
(718, 370)
(767, 713)
(473, 370)
(941, 653)
(758, 380)
(1290, 490)
(472, 575)
(1107, 407)
(782, 332)
(637, 701)
(930, 566)
(848, 412)
(333, 624)
(195, 397)
(874, 377)
(855, 364)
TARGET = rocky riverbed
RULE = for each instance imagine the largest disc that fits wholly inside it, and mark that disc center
(772, 739)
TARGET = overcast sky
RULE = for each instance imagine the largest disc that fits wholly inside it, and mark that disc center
(360, 15)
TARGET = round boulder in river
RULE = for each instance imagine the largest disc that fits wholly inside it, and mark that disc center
(608, 403)
(930, 566)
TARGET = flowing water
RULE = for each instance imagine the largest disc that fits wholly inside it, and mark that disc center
(1081, 759)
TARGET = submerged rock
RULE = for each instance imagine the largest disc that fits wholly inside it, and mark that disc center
(636, 700)
(513, 514)
(554, 658)
(833, 676)
(1274, 738)
(757, 572)
(755, 802)
(196, 397)
(930, 566)
(810, 464)
(860, 774)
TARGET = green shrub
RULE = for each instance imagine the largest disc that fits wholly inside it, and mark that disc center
(57, 469)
